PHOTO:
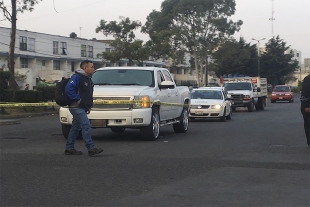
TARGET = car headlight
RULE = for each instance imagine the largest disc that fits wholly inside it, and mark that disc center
(216, 106)
(273, 94)
(141, 102)
(287, 94)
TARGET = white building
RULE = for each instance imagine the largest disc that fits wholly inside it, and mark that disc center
(297, 55)
(51, 57)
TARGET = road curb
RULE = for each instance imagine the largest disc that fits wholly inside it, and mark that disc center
(9, 121)
(16, 118)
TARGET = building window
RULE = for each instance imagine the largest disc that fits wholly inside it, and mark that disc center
(72, 67)
(23, 43)
(90, 51)
(55, 47)
(23, 62)
(31, 44)
(64, 50)
(43, 62)
(56, 65)
(297, 54)
(108, 50)
(83, 50)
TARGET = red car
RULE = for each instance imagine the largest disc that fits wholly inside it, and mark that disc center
(281, 93)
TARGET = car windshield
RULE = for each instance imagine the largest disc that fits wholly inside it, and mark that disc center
(206, 94)
(281, 89)
(124, 77)
(237, 86)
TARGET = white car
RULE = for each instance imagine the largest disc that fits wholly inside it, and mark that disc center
(210, 102)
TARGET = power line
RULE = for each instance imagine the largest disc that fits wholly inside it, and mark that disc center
(63, 11)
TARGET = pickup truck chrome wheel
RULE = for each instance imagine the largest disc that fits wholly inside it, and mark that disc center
(151, 132)
(183, 125)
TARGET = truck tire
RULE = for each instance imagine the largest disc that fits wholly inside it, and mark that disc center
(261, 103)
(183, 125)
(65, 128)
(117, 129)
(151, 132)
(257, 106)
(251, 106)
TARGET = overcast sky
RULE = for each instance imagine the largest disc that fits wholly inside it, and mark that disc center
(61, 17)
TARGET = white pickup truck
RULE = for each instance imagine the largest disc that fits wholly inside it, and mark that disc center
(144, 98)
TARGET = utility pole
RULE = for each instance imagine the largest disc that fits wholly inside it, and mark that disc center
(258, 54)
(272, 19)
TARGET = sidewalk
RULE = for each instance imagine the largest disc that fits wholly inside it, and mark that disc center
(16, 118)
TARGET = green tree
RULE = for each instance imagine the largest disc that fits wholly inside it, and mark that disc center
(125, 45)
(197, 26)
(11, 15)
(236, 57)
(276, 64)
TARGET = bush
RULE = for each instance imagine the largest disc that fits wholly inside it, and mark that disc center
(48, 92)
(29, 96)
(7, 95)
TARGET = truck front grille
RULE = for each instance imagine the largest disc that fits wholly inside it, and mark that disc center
(102, 103)
(237, 96)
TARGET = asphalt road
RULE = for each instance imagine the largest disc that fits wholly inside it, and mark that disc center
(257, 159)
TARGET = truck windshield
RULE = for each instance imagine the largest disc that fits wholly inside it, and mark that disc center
(237, 86)
(124, 77)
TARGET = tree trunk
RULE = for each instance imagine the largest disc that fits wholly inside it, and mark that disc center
(207, 71)
(12, 83)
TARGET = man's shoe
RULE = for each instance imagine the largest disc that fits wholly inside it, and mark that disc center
(94, 151)
(73, 152)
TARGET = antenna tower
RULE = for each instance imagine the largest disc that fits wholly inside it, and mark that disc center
(272, 19)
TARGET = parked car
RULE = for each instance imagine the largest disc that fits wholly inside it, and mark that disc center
(282, 93)
(210, 102)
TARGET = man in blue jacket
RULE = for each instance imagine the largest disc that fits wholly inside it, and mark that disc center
(80, 91)
(305, 106)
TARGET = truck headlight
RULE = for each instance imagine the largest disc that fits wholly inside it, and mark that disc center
(216, 106)
(141, 102)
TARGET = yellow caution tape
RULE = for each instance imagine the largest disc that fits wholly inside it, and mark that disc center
(28, 104)
(111, 102)
(96, 102)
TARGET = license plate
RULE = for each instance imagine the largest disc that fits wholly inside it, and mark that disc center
(98, 123)
(199, 113)
(280, 97)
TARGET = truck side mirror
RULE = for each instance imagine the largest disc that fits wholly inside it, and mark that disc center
(166, 84)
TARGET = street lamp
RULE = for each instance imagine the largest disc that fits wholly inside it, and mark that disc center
(257, 45)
